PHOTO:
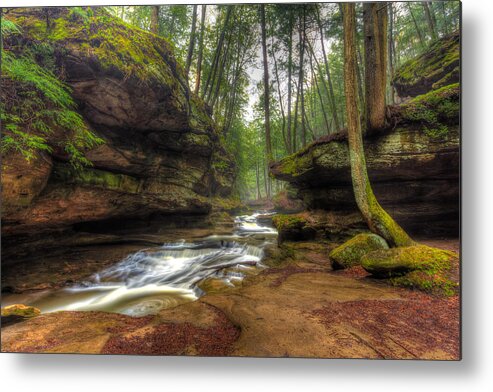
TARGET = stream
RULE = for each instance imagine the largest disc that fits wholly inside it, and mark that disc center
(163, 277)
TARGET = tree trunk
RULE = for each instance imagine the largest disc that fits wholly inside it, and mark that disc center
(375, 26)
(319, 93)
(418, 30)
(192, 40)
(268, 144)
(377, 218)
(201, 50)
(283, 115)
(217, 54)
(155, 19)
(290, 84)
(257, 172)
(391, 51)
(332, 100)
(295, 123)
(302, 78)
(430, 20)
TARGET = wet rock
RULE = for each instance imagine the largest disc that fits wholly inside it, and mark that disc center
(20, 310)
(16, 313)
(349, 254)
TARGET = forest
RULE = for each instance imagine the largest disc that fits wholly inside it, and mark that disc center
(185, 172)
(273, 77)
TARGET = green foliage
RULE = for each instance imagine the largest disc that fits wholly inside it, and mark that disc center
(80, 13)
(36, 103)
(9, 28)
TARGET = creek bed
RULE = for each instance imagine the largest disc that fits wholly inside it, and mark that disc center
(164, 276)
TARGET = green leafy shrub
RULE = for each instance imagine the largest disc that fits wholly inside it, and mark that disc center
(35, 103)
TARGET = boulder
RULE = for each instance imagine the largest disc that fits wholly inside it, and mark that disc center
(419, 266)
(349, 254)
(294, 227)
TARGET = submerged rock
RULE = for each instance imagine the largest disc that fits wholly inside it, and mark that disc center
(350, 253)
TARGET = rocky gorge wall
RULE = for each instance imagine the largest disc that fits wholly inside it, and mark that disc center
(160, 155)
(413, 164)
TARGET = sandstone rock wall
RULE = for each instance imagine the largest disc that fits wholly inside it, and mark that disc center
(413, 166)
(161, 153)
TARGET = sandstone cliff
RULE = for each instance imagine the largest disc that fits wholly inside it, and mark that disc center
(413, 164)
(160, 153)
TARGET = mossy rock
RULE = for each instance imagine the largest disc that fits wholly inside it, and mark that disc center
(293, 227)
(419, 266)
(350, 253)
(20, 310)
(437, 66)
(434, 111)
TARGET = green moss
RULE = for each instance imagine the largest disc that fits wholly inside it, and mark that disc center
(350, 253)
(434, 110)
(417, 266)
(97, 178)
(20, 310)
(296, 164)
(227, 203)
(284, 222)
(117, 45)
(439, 60)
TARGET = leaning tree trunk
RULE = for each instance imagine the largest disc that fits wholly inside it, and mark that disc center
(201, 50)
(192, 40)
(379, 221)
(375, 29)
(430, 20)
(155, 19)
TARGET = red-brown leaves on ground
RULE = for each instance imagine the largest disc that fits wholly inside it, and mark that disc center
(178, 339)
(354, 272)
(420, 323)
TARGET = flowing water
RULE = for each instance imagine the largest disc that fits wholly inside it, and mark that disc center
(164, 277)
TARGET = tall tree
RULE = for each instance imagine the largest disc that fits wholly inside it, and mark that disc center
(430, 19)
(416, 26)
(375, 29)
(290, 83)
(192, 40)
(332, 99)
(302, 36)
(155, 19)
(391, 50)
(201, 49)
(268, 144)
(209, 84)
(378, 220)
